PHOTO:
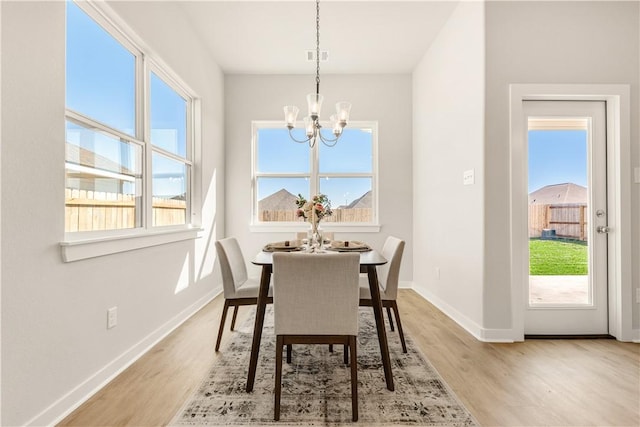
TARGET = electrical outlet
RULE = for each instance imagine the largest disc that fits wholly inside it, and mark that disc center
(468, 177)
(112, 317)
(637, 295)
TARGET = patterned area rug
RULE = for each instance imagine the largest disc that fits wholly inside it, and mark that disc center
(316, 387)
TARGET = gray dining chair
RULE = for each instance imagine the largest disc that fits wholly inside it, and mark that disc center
(388, 275)
(315, 301)
(239, 289)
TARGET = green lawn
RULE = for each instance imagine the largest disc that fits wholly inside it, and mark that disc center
(557, 257)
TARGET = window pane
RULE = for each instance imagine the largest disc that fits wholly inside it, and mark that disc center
(168, 118)
(351, 199)
(100, 73)
(102, 181)
(353, 153)
(277, 196)
(277, 152)
(169, 191)
(558, 218)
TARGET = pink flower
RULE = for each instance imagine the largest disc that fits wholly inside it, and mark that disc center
(313, 210)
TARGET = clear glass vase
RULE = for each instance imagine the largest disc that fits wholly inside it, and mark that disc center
(315, 237)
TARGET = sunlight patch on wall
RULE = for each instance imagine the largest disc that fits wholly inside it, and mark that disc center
(204, 248)
(183, 279)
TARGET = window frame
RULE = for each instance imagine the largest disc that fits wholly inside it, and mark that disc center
(87, 244)
(314, 181)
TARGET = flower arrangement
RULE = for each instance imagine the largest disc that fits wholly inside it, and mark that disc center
(314, 210)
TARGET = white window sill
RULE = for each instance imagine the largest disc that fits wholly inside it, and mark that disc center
(79, 249)
(295, 227)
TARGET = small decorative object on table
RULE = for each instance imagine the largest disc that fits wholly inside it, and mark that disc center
(313, 211)
(285, 246)
(348, 246)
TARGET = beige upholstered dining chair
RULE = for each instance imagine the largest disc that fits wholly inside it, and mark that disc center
(239, 289)
(388, 275)
(315, 301)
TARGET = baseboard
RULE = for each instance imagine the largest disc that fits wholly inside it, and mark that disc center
(480, 333)
(80, 394)
(497, 335)
(405, 284)
(635, 336)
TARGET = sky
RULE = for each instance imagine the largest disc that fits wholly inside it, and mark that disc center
(557, 157)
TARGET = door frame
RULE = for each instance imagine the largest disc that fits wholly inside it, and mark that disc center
(618, 118)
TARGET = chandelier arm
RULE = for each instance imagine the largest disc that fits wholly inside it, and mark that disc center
(329, 140)
(303, 141)
(331, 143)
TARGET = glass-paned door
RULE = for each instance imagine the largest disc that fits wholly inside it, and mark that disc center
(567, 286)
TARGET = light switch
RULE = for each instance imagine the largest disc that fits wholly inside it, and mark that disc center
(636, 175)
(468, 177)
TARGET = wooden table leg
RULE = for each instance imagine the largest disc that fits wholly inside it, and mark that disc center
(263, 293)
(382, 334)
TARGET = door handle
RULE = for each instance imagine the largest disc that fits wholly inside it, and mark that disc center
(603, 229)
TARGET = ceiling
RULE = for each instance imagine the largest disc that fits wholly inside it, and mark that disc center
(272, 37)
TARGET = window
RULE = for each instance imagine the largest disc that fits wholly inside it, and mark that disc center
(170, 165)
(128, 133)
(346, 173)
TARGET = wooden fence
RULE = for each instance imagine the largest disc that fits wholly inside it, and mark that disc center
(339, 215)
(94, 210)
(569, 220)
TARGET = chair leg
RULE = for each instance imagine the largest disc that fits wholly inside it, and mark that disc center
(224, 318)
(235, 314)
(390, 319)
(279, 345)
(289, 346)
(346, 354)
(354, 378)
(400, 332)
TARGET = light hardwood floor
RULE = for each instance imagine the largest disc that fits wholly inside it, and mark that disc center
(535, 383)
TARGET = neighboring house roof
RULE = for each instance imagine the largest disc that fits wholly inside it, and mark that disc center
(281, 200)
(362, 202)
(84, 157)
(567, 193)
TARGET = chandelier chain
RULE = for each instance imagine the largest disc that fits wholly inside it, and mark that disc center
(317, 46)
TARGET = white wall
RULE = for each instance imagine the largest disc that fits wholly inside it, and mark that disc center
(548, 42)
(448, 139)
(55, 345)
(385, 98)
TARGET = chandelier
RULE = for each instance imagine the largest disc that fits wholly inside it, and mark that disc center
(314, 101)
